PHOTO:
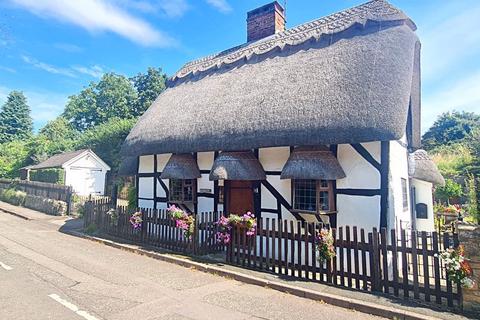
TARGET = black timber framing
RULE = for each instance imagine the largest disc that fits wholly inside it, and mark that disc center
(334, 150)
(155, 181)
(257, 192)
(384, 171)
(383, 168)
(195, 202)
(360, 192)
(216, 188)
(281, 199)
(366, 155)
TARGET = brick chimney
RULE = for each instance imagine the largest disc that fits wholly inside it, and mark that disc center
(265, 21)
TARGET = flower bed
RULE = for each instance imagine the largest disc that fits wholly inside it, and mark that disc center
(247, 222)
(183, 220)
(458, 269)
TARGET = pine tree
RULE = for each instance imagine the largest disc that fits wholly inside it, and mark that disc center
(15, 119)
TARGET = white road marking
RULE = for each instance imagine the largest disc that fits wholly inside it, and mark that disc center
(72, 307)
(4, 266)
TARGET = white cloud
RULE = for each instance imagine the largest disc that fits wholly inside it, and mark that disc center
(220, 5)
(11, 70)
(99, 16)
(463, 95)
(68, 47)
(169, 8)
(47, 67)
(94, 71)
(45, 105)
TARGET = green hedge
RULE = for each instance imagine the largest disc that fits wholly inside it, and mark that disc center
(53, 175)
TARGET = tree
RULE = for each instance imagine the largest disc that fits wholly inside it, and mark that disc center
(56, 137)
(15, 119)
(114, 96)
(149, 85)
(106, 140)
(13, 156)
(450, 190)
(449, 128)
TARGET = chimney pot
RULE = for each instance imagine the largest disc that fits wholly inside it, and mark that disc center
(265, 21)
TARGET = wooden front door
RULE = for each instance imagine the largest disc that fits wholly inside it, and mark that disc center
(239, 196)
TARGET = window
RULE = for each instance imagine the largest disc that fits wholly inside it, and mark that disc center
(404, 194)
(182, 191)
(313, 196)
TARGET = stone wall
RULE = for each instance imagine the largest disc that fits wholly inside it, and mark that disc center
(469, 237)
(48, 206)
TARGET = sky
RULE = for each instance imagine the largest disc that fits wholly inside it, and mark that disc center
(51, 49)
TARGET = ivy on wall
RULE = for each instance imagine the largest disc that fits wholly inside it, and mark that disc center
(51, 175)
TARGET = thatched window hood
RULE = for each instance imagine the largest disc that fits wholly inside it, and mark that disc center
(421, 167)
(345, 78)
(240, 165)
(181, 166)
(317, 163)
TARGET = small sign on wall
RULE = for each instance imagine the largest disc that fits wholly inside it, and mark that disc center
(421, 209)
(205, 190)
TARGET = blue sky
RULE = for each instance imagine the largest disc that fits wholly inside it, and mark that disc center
(51, 49)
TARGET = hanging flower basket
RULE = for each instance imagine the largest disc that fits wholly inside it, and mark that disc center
(136, 220)
(246, 222)
(113, 214)
(457, 267)
(325, 247)
(183, 220)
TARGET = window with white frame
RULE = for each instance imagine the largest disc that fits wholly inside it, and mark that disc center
(313, 196)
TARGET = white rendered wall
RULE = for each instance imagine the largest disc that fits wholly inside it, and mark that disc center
(273, 159)
(423, 194)
(205, 162)
(398, 217)
(145, 184)
(360, 211)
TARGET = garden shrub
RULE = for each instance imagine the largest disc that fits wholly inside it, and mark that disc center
(91, 229)
(13, 196)
(51, 175)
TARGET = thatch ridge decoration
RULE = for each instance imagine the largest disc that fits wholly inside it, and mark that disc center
(373, 11)
(239, 165)
(181, 166)
(422, 167)
(317, 163)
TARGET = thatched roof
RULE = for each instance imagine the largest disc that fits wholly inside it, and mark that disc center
(242, 165)
(345, 78)
(312, 163)
(421, 167)
(57, 160)
(181, 166)
(128, 166)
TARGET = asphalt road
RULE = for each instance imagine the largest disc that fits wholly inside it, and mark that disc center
(46, 274)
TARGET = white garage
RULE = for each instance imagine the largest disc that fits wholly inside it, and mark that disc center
(82, 169)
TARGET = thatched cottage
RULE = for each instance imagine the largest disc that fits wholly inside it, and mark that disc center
(315, 122)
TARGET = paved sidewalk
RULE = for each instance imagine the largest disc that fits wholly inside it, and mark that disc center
(366, 302)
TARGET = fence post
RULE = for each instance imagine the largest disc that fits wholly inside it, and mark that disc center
(69, 201)
(374, 260)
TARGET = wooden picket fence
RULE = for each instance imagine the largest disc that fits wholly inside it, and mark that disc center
(402, 265)
(158, 229)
